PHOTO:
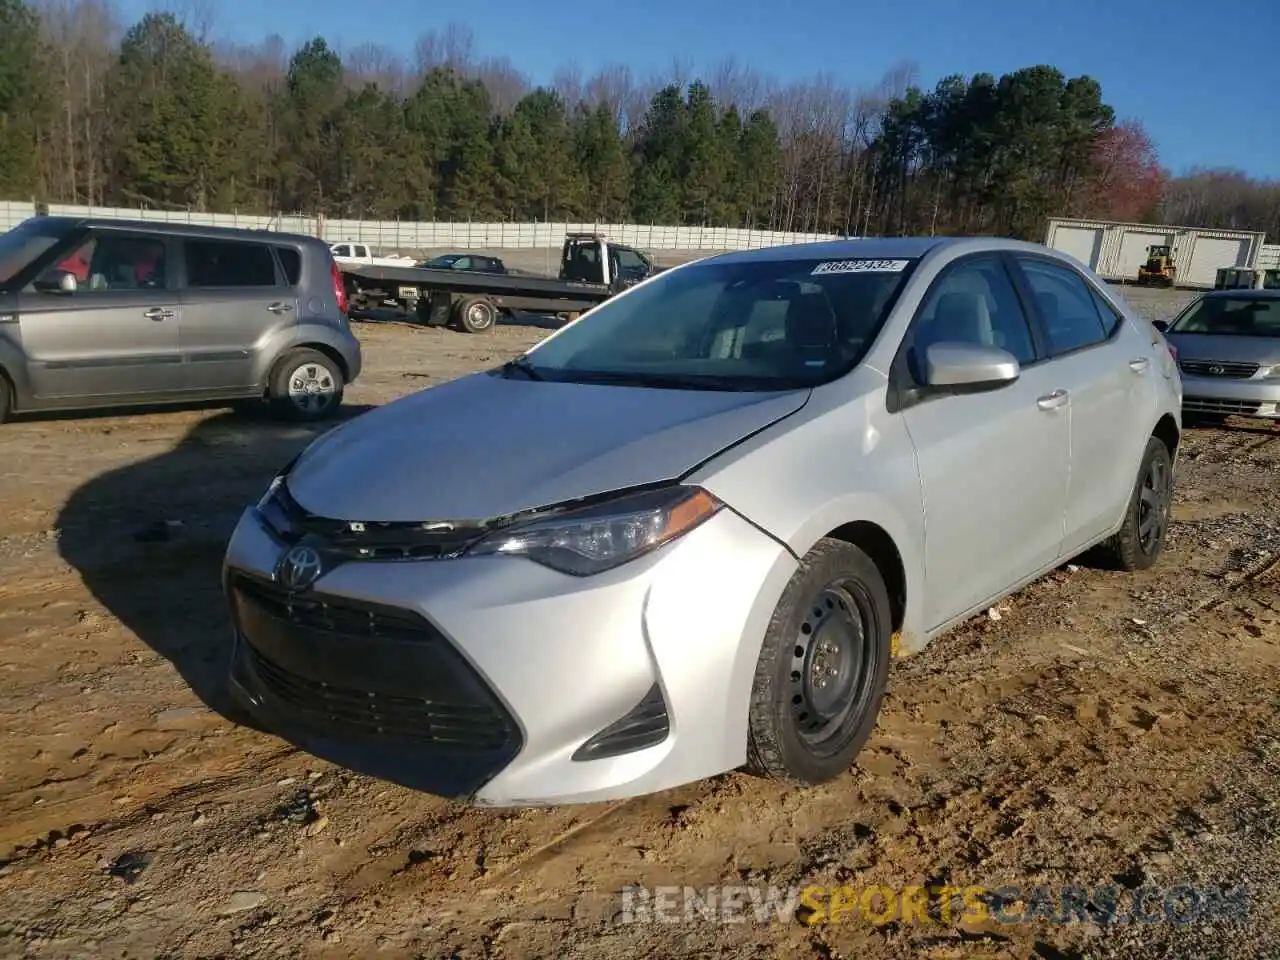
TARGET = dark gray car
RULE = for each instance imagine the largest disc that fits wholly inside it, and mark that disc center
(101, 313)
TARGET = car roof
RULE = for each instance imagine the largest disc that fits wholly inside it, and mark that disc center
(180, 229)
(878, 248)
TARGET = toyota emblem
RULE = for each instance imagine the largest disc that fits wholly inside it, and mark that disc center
(1217, 371)
(300, 567)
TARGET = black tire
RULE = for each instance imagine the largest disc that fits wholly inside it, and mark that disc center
(475, 315)
(6, 399)
(315, 394)
(1140, 541)
(835, 609)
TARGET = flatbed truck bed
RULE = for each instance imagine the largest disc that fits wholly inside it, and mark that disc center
(472, 300)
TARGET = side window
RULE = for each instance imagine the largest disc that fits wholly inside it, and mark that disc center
(630, 263)
(222, 263)
(361, 251)
(110, 262)
(1065, 305)
(291, 261)
(463, 263)
(973, 302)
(1110, 319)
(342, 250)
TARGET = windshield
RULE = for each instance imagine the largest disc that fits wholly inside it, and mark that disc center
(1231, 316)
(750, 325)
(23, 244)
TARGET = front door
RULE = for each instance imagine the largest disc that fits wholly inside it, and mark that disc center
(993, 466)
(233, 297)
(116, 334)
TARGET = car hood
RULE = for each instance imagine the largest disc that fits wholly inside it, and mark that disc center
(1207, 346)
(484, 446)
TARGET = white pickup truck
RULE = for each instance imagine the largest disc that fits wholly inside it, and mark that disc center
(351, 253)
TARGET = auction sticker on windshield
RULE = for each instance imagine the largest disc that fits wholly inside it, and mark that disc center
(860, 266)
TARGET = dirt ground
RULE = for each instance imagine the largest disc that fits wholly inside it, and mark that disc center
(1097, 729)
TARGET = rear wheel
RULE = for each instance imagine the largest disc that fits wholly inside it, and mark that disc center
(823, 667)
(6, 399)
(475, 315)
(306, 386)
(1140, 541)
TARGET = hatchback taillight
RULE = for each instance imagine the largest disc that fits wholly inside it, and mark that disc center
(339, 288)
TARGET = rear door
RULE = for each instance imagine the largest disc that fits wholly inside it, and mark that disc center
(1104, 366)
(234, 296)
(116, 334)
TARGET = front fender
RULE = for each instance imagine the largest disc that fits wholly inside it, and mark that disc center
(841, 459)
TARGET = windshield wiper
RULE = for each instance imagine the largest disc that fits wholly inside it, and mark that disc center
(522, 364)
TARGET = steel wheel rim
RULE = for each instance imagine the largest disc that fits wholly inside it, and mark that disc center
(1153, 506)
(832, 665)
(312, 387)
(479, 316)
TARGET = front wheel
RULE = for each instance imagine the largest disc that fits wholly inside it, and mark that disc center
(306, 386)
(823, 668)
(1140, 540)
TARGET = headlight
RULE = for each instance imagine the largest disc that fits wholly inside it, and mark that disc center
(1271, 373)
(604, 536)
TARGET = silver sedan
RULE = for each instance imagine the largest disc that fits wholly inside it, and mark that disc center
(1228, 347)
(687, 532)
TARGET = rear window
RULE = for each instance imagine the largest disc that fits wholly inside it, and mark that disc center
(291, 261)
(229, 263)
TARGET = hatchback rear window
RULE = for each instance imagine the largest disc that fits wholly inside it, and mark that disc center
(229, 263)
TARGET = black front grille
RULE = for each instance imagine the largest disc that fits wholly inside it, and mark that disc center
(335, 615)
(361, 670)
(464, 726)
(1241, 408)
(1228, 369)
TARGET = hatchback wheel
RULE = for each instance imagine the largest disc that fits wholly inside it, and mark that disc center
(306, 386)
(822, 670)
(1141, 539)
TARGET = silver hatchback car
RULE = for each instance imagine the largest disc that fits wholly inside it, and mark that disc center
(688, 531)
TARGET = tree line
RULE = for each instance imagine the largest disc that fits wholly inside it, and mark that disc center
(159, 115)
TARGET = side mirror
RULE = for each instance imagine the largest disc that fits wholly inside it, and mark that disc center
(1161, 325)
(969, 366)
(57, 281)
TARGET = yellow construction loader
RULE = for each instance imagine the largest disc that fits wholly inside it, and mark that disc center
(1159, 269)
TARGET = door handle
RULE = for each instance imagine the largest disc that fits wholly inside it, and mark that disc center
(279, 307)
(1052, 401)
(1139, 364)
(156, 313)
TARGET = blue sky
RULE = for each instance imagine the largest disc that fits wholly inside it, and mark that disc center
(1200, 75)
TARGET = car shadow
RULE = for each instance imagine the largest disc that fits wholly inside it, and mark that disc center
(243, 408)
(148, 539)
